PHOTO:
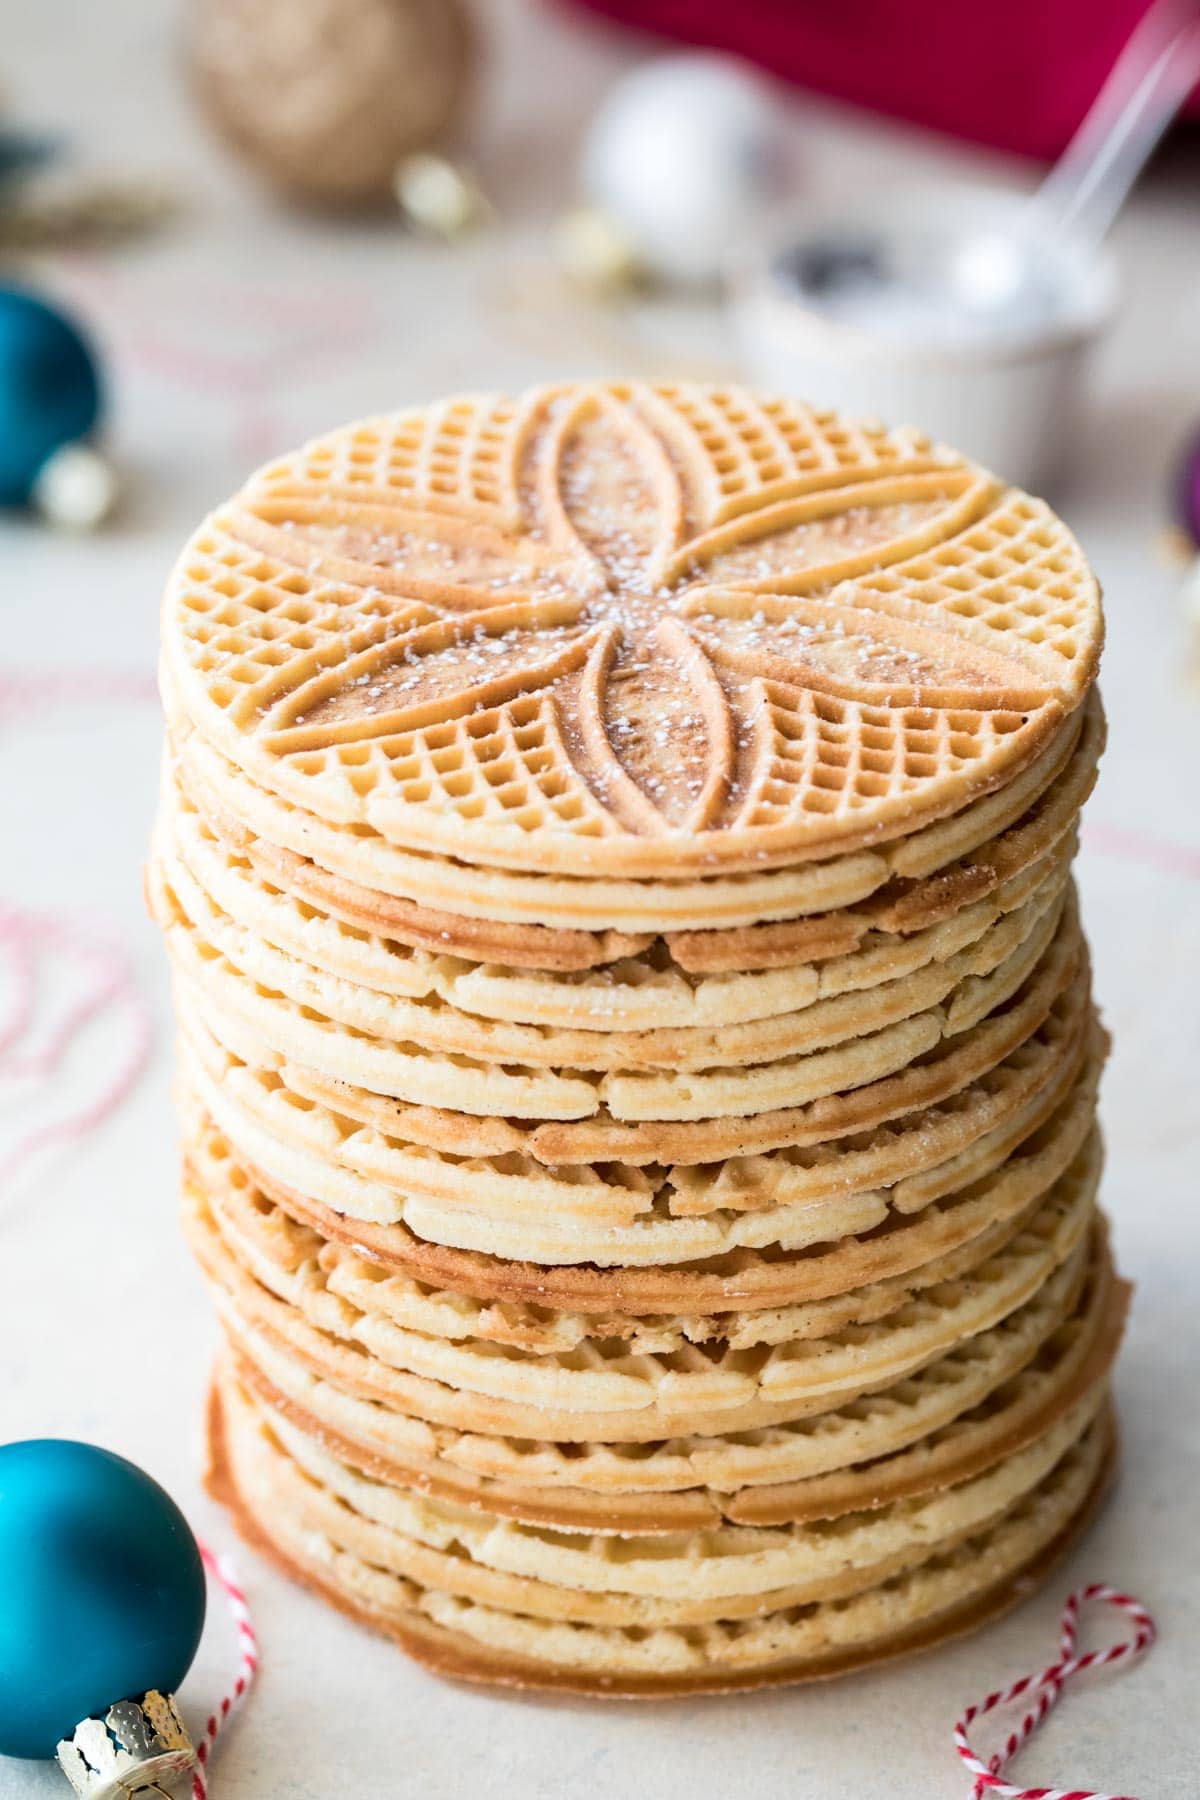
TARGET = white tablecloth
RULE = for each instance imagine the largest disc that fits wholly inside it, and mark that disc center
(242, 330)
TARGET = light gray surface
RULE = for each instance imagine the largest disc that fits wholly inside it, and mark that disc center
(239, 333)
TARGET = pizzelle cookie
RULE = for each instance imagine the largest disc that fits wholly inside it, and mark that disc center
(917, 1600)
(606, 1391)
(648, 993)
(554, 634)
(1025, 819)
(637, 1064)
(1001, 1386)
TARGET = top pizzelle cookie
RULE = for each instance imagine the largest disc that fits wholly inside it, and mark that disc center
(630, 631)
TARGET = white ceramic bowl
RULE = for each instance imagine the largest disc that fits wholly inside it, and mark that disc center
(1007, 393)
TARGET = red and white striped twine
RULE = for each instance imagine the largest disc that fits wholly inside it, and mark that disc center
(222, 1573)
(1047, 1687)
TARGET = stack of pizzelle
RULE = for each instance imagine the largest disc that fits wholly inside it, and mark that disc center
(637, 1061)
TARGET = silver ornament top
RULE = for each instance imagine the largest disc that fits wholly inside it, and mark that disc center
(135, 1746)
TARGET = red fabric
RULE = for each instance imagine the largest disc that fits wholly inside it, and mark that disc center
(1016, 74)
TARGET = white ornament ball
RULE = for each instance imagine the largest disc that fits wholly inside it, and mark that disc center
(76, 488)
(684, 155)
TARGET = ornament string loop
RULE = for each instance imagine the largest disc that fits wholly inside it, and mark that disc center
(1044, 1690)
(221, 1571)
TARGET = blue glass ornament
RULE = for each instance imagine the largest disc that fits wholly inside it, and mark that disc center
(101, 1590)
(49, 390)
(21, 153)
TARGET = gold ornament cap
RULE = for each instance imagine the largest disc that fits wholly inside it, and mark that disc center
(135, 1747)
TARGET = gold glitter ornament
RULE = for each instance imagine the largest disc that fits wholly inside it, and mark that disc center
(326, 97)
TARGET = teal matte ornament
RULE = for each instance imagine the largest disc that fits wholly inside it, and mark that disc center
(102, 1598)
(49, 391)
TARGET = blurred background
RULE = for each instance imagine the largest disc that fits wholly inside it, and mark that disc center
(227, 225)
(268, 214)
